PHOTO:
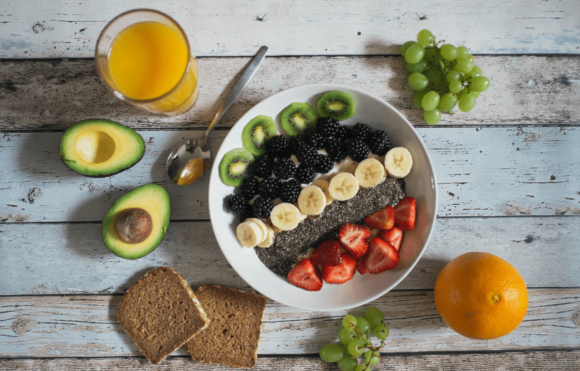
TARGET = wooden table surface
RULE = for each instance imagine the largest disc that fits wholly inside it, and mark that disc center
(508, 171)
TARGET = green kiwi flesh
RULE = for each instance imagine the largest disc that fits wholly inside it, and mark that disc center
(297, 118)
(337, 105)
(257, 132)
(235, 166)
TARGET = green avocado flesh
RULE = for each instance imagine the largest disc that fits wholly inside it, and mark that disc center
(152, 198)
(100, 147)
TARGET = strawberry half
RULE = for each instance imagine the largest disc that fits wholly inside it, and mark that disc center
(393, 236)
(382, 219)
(380, 256)
(354, 238)
(405, 213)
(328, 253)
(306, 276)
(361, 267)
(340, 273)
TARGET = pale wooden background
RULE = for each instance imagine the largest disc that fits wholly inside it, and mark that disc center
(509, 173)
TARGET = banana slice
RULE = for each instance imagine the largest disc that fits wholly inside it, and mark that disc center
(302, 215)
(352, 168)
(369, 173)
(269, 240)
(285, 216)
(343, 186)
(398, 162)
(312, 200)
(323, 184)
(262, 226)
(249, 234)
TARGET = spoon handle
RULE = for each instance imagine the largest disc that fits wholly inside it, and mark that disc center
(239, 86)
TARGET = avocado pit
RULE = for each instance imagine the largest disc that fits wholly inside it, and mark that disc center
(134, 225)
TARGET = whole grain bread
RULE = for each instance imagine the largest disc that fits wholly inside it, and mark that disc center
(161, 313)
(233, 335)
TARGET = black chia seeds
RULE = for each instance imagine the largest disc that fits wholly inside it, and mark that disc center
(290, 246)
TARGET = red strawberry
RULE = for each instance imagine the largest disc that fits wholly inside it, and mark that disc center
(340, 273)
(306, 276)
(405, 214)
(360, 267)
(381, 256)
(328, 253)
(354, 238)
(393, 236)
(382, 219)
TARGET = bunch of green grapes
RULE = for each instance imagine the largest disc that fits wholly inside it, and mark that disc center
(442, 76)
(355, 341)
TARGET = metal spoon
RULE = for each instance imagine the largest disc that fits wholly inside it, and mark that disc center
(190, 159)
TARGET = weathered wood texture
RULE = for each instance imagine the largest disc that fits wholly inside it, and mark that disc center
(510, 361)
(49, 29)
(72, 259)
(86, 326)
(480, 171)
(56, 94)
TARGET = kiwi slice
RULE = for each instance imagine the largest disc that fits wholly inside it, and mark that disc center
(297, 118)
(235, 166)
(336, 104)
(257, 132)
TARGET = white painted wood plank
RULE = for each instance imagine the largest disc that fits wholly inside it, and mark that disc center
(86, 326)
(480, 171)
(56, 94)
(51, 28)
(72, 259)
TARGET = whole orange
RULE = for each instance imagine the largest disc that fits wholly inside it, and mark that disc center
(481, 296)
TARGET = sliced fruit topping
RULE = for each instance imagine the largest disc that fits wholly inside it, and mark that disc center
(249, 234)
(235, 166)
(336, 104)
(257, 132)
(296, 118)
(328, 253)
(354, 238)
(393, 236)
(380, 256)
(340, 273)
(343, 186)
(323, 184)
(312, 200)
(369, 173)
(285, 216)
(382, 219)
(269, 240)
(398, 162)
(405, 214)
(306, 276)
(360, 266)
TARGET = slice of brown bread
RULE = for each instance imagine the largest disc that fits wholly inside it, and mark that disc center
(233, 335)
(161, 313)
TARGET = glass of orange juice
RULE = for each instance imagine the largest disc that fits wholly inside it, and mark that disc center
(144, 57)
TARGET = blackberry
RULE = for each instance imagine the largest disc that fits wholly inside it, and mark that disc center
(290, 191)
(307, 156)
(278, 146)
(314, 139)
(332, 145)
(270, 187)
(284, 168)
(337, 155)
(263, 166)
(324, 164)
(262, 207)
(250, 187)
(247, 213)
(379, 142)
(327, 126)
(305, 174)
(237, 203)
(361, 131)
(295, 143)
(342, 133)
(357, 149)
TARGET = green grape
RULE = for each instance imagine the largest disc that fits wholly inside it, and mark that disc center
(453, 75)
(446, 104)
(476, 71)
(331, 353)
(425, 37)
(375, 360)
(464, 65)
(414, 54)
(368, 355)
(417, 67)
(345, 349)
(455, 86)
(362, 324)
(349, 321)
(417, 98)
(406, 46)
(432, 117)
(346, 335)
(466, 103)
(382, 331)
(356, 347)
(430, 101)
(374, 316)
(433, 75)
(462, 51)
(448, 52)
(479, 83)
(470, 57)
(430, 54)
(347, 363)
(417, 81)
(361, 368)
(474, 94)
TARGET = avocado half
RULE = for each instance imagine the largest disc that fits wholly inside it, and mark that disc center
(99, 148)
(152, 198)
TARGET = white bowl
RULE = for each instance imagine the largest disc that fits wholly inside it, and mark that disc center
(420, 184)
